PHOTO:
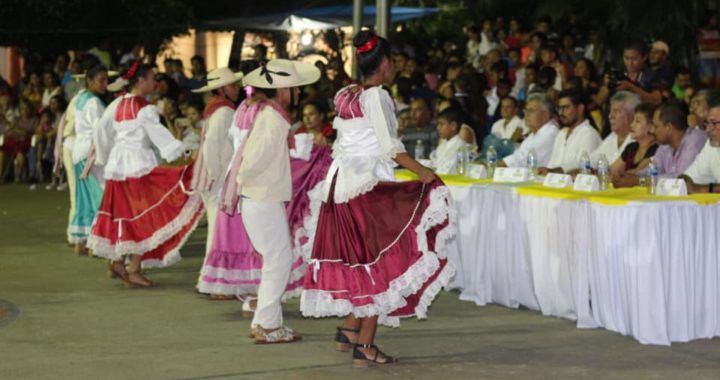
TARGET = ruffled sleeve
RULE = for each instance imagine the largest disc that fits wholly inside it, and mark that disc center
(378, 108)
(169, 147)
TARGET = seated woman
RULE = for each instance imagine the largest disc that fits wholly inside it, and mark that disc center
(444, 158)
(637, 155)
(314, 117)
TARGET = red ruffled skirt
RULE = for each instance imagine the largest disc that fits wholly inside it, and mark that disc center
(151, 216)
(381, 253)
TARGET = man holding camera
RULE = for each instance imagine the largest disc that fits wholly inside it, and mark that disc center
(637, 77)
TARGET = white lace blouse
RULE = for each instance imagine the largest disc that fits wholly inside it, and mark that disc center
(136, 130)
(366, 144)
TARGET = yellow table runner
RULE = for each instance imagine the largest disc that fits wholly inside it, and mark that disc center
(609, 197)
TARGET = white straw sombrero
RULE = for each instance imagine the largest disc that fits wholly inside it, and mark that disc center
(282, 73)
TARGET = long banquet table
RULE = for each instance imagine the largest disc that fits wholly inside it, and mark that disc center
(640, 265)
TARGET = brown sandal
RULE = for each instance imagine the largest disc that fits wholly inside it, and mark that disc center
(137, 280)
(112, 272)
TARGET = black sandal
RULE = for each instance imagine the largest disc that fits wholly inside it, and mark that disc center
(342, 342)
(360, 360)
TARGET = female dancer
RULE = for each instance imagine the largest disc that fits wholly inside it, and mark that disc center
(379, 249)
(146, 212)
(88, 189)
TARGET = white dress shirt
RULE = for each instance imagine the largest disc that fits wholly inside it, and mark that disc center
(609, 147)
(444, 158)
(541, 142)
(706, 167)
(568, 150)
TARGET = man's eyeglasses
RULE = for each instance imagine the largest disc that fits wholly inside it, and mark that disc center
(712, 124)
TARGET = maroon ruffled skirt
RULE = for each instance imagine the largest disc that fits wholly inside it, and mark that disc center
(381, 253)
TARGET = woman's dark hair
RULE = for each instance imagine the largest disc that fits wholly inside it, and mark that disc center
(636, 44)
(546, 77)
(142, 70)
(646, 109)
(404, 88)
(320, 106)
(592, 69)
(94, 71)
(370, 60)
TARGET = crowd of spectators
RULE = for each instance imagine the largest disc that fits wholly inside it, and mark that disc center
(547, 88)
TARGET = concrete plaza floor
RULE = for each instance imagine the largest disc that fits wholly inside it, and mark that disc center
(62, 318)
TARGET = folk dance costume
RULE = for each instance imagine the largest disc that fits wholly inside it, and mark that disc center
(63, 154)
(233, 266)
(146, 209)
(379, 245)
(262, 175)
(88, 188)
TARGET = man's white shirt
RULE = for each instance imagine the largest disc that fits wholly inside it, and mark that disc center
(540, 142)
(567, 150)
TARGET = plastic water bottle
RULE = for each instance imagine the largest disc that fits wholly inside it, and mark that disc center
(585, 165)
(462, 160)
(603, 172)
(652, 177)
(532, 164)
(491, 158)
(419, 150)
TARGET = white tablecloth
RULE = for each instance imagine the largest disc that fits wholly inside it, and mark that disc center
(645, 269)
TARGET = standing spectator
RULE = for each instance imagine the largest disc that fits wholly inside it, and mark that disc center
(637, 77)
(682, 83)
(133, 54)
(33, 91)
(62, 68)
(708, 39)
(51, 88)
(102, 52)
(73, 86)
(662, 74)
(472, 48)
(197, 71)
(18, 136)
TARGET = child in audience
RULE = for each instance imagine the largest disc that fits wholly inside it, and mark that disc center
(444, 158)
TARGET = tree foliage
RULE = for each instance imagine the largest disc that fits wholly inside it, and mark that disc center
(49, 26)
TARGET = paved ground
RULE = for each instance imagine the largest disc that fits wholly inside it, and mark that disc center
(72, 322)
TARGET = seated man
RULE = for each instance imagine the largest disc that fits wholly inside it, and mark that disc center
(575, 139)
(622, 112)
(445, 157)
(538, 118)
(703, 175)
(679, 145)
(422, 128)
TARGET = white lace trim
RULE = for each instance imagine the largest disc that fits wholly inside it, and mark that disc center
(120, 175)
(307, 227)
(244, 275)
(319, 304)
(310, 223)
(104, 248)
